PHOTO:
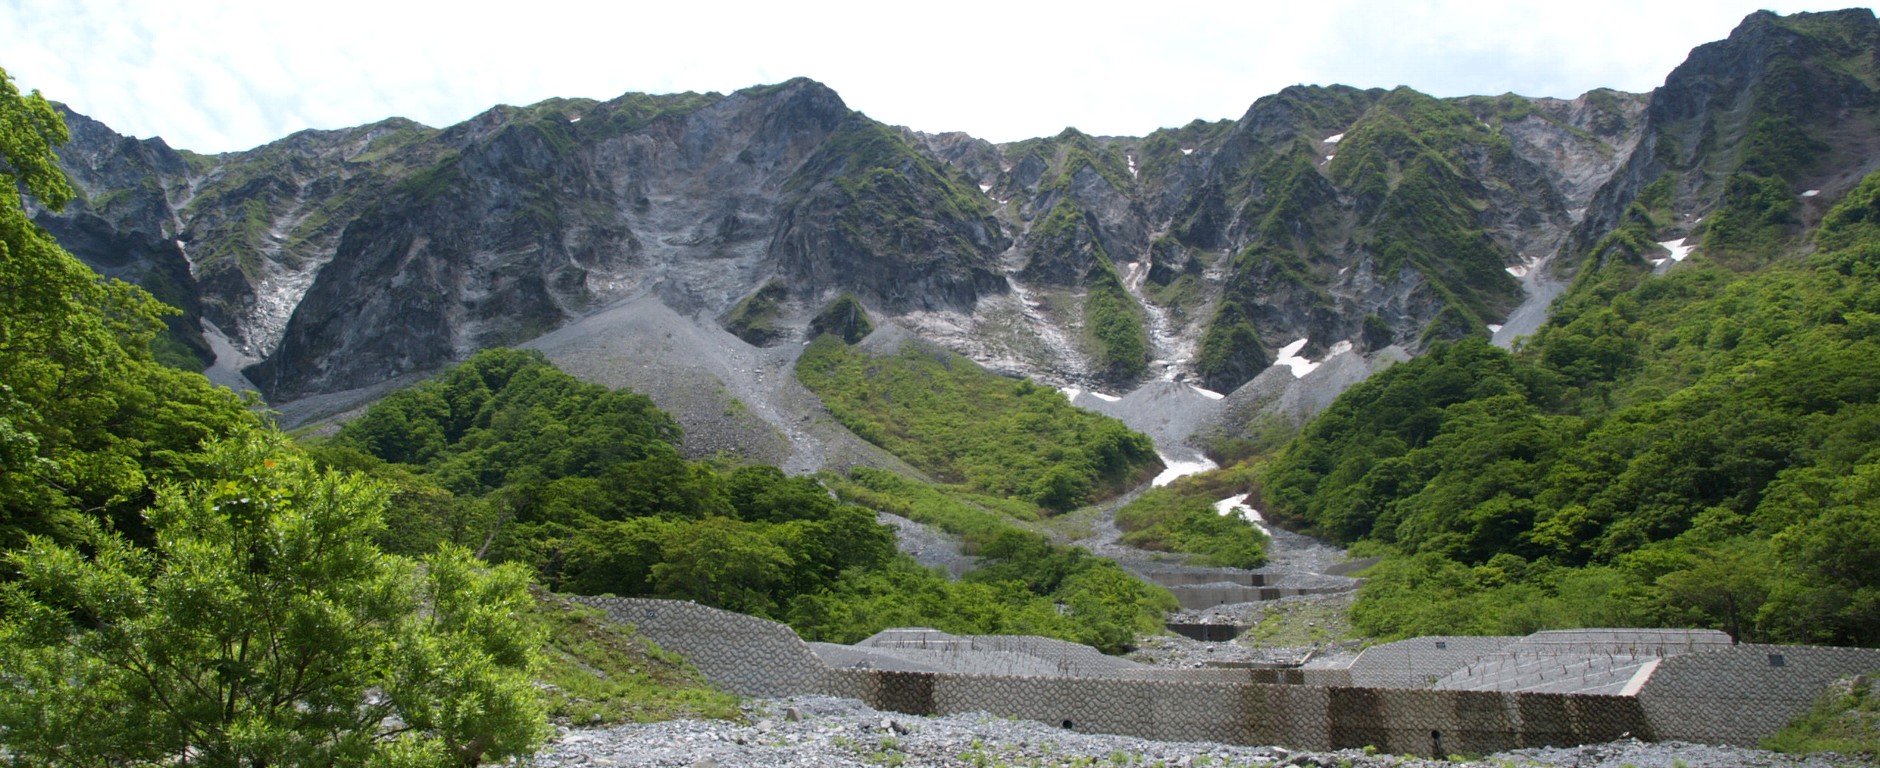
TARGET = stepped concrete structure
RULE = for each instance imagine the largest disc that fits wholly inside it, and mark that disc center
(1428, 695)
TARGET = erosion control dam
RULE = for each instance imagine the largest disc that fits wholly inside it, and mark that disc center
(1428, 696)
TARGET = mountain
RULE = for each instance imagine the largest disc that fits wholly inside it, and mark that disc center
(1690, 439)
(1327, 225)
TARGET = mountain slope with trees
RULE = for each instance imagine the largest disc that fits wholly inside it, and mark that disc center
(1685, 442)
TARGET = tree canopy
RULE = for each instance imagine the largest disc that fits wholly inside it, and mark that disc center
(181, 586)
(1693, 448)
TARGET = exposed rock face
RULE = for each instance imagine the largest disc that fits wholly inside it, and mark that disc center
(1386, 219)
(1788, 97)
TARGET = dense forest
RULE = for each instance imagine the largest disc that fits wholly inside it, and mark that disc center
(1692, 448)
(585, 487)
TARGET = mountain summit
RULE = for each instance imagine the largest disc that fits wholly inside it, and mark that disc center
(1324, 221)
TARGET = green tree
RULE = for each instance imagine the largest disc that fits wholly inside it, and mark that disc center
(88, 420)
(264, 628)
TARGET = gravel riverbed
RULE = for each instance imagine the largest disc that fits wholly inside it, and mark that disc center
(823, 731)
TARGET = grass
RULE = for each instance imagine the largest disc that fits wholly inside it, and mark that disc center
(598, 673)
(1299, 623)
(968, 426)
(1846, 719)
(1181, 517)
(976, 518)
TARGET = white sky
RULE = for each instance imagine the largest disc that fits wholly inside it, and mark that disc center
(220, 75)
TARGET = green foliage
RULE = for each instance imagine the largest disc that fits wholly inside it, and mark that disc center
(963, 424)
(1180, 517)
(1752, 221)
(1162, 150)
(1026, 585)
(1410, 163)
(1115, 325)
(893, 200)
(429, 185)
(264, 628)
(1690, 449)
(1845, 720)
(89, 421)
(633, 111)
(1854, 221)
(845, 318)
(975, 518)
(585, 487)
(754, 318)
(600, 673)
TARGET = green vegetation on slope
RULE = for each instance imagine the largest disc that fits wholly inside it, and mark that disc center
(754, 319)
(1845, 720)
(1069, 153)
(844, 318)
(974, 517)
(963, 424)
(1696, 448)
(598, 672)
(1180, 517)
(585, 487)
(896, 201)
(1402, 192)
(1064, 250)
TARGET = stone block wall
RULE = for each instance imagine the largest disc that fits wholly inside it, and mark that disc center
(741, 654)
(1744, 694)
(1728, 696)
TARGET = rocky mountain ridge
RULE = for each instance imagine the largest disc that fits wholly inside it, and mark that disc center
(1324, 222)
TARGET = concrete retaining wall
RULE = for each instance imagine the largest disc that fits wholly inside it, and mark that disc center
(1734, 696)
(1747, 694)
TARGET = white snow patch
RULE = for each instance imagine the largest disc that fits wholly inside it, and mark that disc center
(1289, 357)
(1187, 151)
(986, 188)
(1132, 165)
(1104, 397)
(1811, 193)
(1207, 393)
(1334, 138)
(1328, 158)
(1677, 248)
(1659, 262)
(1237, 505)
(1493, 328)
(1179, 469)
(1071, 393)
(574, 119)
(1341, 270)
(1520, 270)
